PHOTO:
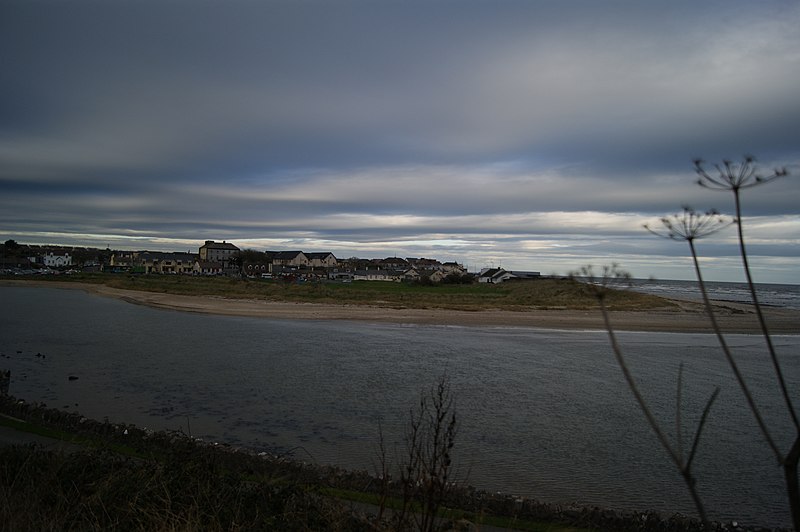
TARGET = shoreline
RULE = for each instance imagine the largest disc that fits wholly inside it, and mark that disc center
(689, 316)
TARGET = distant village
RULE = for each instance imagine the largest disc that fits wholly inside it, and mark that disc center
(224, 258)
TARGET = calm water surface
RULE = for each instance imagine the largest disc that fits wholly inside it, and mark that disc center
(545, 413)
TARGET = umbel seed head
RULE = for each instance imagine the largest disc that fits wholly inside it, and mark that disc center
(690, 225)
(733, 176)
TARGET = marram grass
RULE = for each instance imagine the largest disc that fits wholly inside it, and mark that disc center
(543, 293)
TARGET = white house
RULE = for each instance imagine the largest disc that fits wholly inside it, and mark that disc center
(494, 275)
(499, 275)
(51, 260)
(453, 267)
(378, 275)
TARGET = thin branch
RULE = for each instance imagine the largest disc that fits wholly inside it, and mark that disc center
(651, 420)
(684, 469)
(678, 424)
(700, 426)
(761, 320)
(729, 357)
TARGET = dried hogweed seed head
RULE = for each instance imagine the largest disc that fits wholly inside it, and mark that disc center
(690, 225)
(732, 176)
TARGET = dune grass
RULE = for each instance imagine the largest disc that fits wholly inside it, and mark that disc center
(546, 293)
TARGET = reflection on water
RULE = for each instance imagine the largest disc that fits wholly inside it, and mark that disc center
(545, 413)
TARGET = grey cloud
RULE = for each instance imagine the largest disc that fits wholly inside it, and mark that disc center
(470, 119)
(344, 74)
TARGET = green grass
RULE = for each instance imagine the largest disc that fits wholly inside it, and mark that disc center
(96, 490)
(453, 514)
(68, 437)
(516, 295)
(24, 426)
(165, 484)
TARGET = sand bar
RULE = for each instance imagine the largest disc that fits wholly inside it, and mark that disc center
(689, 317)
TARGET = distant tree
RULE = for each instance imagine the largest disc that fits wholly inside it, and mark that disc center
(425, 280)
(236, 263)
(104, 255)
(11, 245)
(81, 256)
(457, 278)
(248, 256)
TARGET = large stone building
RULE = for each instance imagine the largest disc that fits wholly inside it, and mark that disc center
(220, 252)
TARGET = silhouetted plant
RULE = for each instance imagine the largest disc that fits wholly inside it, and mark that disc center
(689, 226)
(734, 178)
(600, 286)
(382, 471)
(426, 475)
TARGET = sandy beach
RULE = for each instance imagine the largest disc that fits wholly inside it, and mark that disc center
(689, 317)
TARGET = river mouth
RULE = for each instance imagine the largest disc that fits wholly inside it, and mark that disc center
(545, 414)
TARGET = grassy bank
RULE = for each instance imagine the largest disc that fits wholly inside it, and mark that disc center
(515, 295)
(125, 478)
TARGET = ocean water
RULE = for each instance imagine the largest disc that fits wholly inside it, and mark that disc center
(772, 295)
(545, 414)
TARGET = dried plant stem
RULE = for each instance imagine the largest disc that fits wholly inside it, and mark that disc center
(675, 455)
(792, 459)
(729, 357)
(678, 402)
(761, 320)
(426, 475)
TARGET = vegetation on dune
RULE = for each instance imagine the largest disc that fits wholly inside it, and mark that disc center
(546, 293)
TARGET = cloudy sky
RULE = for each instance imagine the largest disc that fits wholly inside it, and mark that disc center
(534, 135)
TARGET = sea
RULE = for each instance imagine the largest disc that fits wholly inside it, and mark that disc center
(545, 413)
(769, 295)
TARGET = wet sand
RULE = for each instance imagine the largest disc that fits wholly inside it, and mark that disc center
(688, 317)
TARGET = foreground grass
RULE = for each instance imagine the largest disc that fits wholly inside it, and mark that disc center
(516, 295)
(163, 483)
(99, 490)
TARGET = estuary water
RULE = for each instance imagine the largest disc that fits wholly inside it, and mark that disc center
(545, 414)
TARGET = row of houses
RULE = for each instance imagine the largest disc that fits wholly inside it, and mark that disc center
(212, 258)
(46, 257)
(224, 258)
